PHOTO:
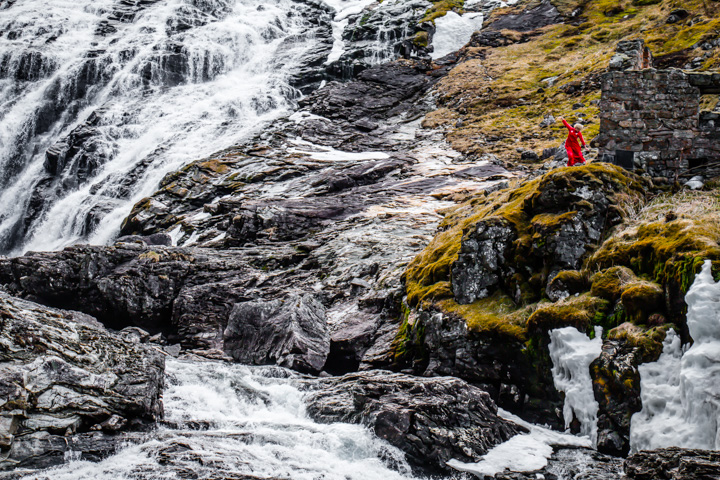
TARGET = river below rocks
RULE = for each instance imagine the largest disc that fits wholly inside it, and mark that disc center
(225, 421)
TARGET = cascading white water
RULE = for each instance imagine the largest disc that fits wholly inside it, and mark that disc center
(680, 392)
(572, 352)
(159, 82)
(243, 420)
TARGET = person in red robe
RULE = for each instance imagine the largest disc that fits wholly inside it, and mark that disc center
(573, 142)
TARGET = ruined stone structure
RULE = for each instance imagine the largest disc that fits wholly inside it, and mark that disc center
(650, 119)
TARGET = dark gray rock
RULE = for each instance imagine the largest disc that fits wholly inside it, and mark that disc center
(673, 464)
(616, 384)
(292, 333)
(483, 255)
(432, 420)
(529, 19)
(59, 376)
(448, 347)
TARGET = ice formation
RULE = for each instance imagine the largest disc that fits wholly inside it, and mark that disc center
(681, 391)
(453, 31)
(522, 453)
(572, 352)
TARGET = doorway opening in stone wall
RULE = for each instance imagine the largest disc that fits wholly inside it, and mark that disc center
(625, 159)
(696, 166)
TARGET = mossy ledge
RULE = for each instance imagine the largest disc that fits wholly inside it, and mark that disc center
(632, 281)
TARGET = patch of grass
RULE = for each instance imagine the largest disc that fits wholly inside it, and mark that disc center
(441, 7)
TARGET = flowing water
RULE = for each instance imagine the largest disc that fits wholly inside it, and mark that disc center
(226, 421)
(101, 98)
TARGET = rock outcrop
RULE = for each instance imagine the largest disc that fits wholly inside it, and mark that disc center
(616, 383)
(432, 420)
(62, 373)
(673, 464)
(292, 333)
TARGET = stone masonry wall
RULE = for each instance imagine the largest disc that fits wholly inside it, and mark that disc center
(656, 115)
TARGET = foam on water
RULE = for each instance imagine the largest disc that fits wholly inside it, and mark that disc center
(255, 424)
(680, 392)
(572, 352)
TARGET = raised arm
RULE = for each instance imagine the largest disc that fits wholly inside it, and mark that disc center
(567, 125)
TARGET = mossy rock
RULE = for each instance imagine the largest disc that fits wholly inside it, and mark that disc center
(421, 39)
(494, 315)
(580, 312)
(440, 8)
(609, 283)
(533, 212)
(649, 341)
(567, 283)
(641, 299)
(670, 253)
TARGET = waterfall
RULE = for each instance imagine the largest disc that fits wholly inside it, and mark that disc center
(234, 420)
(572, 352)
(102, 98)
(680, 392)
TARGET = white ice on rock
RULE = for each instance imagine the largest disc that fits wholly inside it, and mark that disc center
(256, 426)
(522, 453)
(681, 391)
(453, 31)
(572, 352)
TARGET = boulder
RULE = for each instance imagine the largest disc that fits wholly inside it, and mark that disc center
(292, 333)
(61, 374)
(432, 420)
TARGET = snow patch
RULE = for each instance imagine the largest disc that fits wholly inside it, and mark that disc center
(453, 31)
(680, 392)
(572, 352)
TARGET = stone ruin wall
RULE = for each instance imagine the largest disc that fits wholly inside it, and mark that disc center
(655, 114)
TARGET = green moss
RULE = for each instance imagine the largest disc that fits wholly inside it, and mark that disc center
(668, 252)
(497, 314)
(641, 299)
(648, 340)
(578, 311)
(408, 344)
(571, 281)
(609, 284)
(421, 39)
(440, 9)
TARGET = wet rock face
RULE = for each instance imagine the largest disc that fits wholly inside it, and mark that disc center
(529, 19)
(673, 464)
(616, 383)
(132, 284)
(292, 333)
(62, 373)
(516, 385)
(479, 267)
(432, 420)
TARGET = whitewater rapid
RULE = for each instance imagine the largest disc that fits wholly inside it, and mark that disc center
(239, 420)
